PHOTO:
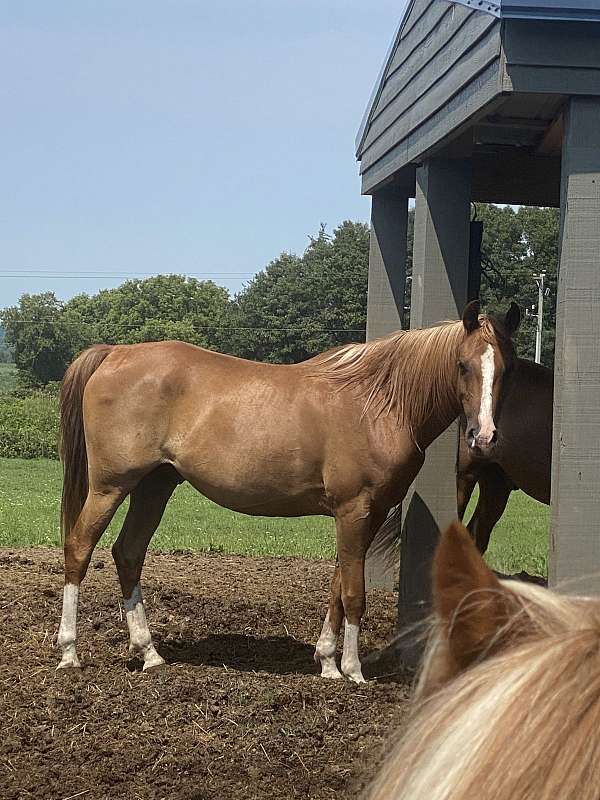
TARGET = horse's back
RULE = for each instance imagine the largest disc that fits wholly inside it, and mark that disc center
(250, 436)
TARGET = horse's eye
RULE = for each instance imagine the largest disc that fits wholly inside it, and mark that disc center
(464, 368)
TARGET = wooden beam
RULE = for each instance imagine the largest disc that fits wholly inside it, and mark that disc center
(385, 304)
(551, 144)
(387, 263)
(575, 535)
(512, 175)
(439, 291)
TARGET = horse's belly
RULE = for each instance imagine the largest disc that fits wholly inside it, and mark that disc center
(264, 501)
(245, 481)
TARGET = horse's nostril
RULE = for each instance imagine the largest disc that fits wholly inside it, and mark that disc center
(494, 438)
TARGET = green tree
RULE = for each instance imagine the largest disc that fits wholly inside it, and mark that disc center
(6, 354)
(47, 334)
(300, 306)
(541, 230)
(516, 245)
(154, 309)
(43, 339)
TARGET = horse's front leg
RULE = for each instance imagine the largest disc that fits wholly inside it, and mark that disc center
(327, 645)
(494, 490)
(356, 524)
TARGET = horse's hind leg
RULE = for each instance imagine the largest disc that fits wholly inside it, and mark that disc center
(79, 544)
(327, 644)
(146, 507)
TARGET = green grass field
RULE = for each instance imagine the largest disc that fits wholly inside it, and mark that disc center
(29, 507)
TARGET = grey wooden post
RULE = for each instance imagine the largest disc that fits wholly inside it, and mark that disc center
(439, 291)
(575, 516)
(387, 263)
(385, 304)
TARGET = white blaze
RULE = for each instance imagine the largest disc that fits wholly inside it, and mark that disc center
(485, 419)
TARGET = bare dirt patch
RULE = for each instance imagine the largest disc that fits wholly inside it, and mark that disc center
(239, 712)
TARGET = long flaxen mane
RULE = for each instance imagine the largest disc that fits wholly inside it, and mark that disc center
(522, 723)
(407, 373)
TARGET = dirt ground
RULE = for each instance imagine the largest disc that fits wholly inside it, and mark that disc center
(239, 712)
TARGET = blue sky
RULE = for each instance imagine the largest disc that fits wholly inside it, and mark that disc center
(178, 135)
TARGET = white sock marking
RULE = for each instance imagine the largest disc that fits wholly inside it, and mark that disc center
(350, 660)
(67, 633)
(140, 639)
(485, 419)
(325, 651)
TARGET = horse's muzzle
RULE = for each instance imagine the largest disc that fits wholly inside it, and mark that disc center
(482, 442)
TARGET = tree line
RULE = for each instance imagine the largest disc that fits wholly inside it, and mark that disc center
(295, 307)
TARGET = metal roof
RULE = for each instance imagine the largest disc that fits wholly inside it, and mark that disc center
(574, 10)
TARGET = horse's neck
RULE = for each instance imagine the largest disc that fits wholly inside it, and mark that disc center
(441, 417)
(435, 426)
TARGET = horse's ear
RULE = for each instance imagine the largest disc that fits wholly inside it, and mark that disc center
(512, 320)
(471, 316)
(471, 604)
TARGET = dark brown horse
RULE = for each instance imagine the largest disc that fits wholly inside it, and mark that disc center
(522, 458)
(343, 434)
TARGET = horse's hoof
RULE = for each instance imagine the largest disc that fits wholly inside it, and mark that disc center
(152, 668)
(353, 673)
(331, 674)
(356, 678)
(154, 664)
(328, 667)
(69, 665)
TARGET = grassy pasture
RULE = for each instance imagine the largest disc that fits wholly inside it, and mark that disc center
(29, 507)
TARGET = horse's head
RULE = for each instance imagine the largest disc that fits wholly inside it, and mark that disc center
(486, 357)
(510, 667)
(473, 611)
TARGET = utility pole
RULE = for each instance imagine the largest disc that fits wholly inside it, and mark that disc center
(539, 279)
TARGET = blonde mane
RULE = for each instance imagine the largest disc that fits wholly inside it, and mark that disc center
(411, 374)
(521, 724)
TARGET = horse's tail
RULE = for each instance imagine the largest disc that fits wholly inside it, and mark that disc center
(73, 452)
(386, 542)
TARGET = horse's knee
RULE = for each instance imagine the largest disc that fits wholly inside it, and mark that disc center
(77, 559)
(354, 605)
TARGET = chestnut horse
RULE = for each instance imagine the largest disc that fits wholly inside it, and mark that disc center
(342, 434)
(522, 458)
(507, 706)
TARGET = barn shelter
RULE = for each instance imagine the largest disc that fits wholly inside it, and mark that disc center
(492, 102)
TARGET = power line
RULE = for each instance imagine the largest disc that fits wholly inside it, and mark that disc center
(96, 275)
(162, 323)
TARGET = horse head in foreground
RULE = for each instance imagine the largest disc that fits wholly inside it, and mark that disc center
(508, 702)
(342, 434)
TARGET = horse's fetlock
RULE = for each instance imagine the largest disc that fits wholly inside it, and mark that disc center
(326, 648)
